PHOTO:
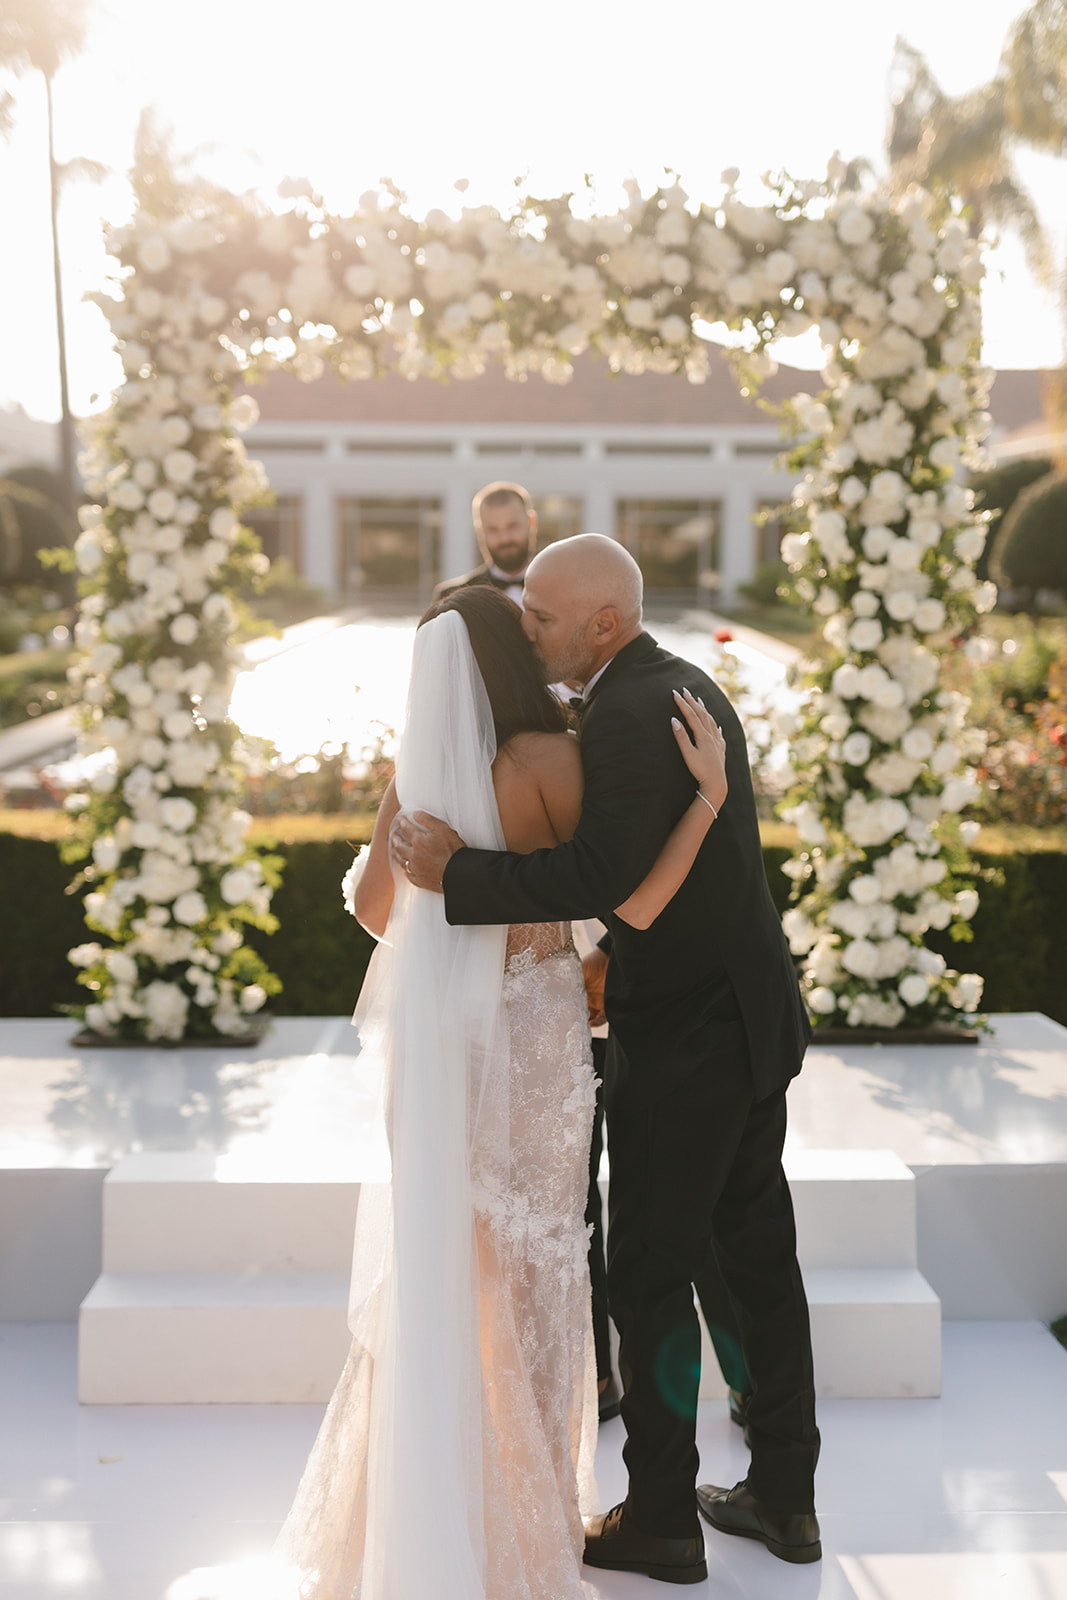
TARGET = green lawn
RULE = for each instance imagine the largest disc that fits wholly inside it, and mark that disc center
(32, 682)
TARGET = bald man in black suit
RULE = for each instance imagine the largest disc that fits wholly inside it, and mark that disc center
(707, 1029)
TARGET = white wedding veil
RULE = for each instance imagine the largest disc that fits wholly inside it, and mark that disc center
(408, 1445)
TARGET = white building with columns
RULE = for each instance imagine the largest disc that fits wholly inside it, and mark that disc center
(374, 479)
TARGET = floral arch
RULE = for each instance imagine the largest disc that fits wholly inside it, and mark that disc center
(212, 291)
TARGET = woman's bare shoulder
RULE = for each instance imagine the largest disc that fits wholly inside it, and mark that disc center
(544, 753)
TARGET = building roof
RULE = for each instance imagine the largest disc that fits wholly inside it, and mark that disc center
(594, 395)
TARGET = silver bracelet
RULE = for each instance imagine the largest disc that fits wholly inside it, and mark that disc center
(708, 803)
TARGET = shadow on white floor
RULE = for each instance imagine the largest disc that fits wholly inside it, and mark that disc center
(962, 1498)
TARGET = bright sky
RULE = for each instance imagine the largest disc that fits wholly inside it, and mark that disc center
(343, 93)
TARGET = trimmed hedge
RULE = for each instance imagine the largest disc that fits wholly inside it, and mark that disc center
(320, 953)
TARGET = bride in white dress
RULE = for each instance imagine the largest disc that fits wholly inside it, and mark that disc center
(456, 1456)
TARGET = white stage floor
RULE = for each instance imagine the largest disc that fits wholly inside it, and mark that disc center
(300, 1096)
(983, 1127)
(961, 1498)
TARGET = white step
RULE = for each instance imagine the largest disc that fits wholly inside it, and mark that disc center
(198, 1338)
(226, 1284)
(854, 1208)
(182, 1212)
(875, 1334)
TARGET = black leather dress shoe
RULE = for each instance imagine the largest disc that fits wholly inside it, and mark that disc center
(610, 1541)
(789, 1535)
(609, 1401)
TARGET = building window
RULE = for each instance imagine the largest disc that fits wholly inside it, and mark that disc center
(559, 516)
(388, 548)
(281, 529)
(675, 543)
(769, 528)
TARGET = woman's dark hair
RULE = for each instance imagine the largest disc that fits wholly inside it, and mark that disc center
(520, 700)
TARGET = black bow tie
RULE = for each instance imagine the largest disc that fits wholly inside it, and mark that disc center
(577, 705)
(507, 583)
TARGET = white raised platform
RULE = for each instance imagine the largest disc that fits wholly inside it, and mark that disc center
(983, 1129)
(222, 1288)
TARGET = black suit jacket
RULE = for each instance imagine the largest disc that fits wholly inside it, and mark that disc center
(449, 585)
(667, 986)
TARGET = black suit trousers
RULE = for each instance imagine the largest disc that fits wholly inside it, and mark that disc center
(699, 1164)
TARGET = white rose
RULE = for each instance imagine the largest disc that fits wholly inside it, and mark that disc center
(856, 750)
(252, 997)
(854, 227)
(946, 758)
(127, 495)
(85, 955)
(350, 881)
(140, 566)
(889, 696)
(893, 773)
(179, 725)
(238, 884)
(959, 792)
(639, 313)
(969, 988)
(865, 890)
(800, 932)
(165, 1008)
(846, 681)
(966, 903)
(244, 413)
(822, 1001)
(106, 853)
(674, 330)
(914, 990)
(175, 430)
(969, 543)
(795, 549)
(184, 628)
(929, 616)
(830, 530)
(179, 467)
(917, 744)
(861, 958)
(945, 452)
(925, 531)
(865, 634)
(190, 907)
(178, 814)
(901, 605)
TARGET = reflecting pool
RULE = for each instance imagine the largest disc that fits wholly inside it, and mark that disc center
(347, 684)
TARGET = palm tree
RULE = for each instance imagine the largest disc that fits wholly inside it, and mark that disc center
(30, 517)
(1034, 69)
(962, 146)
(39, 35)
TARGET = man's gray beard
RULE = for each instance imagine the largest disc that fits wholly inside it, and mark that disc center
(572, 665)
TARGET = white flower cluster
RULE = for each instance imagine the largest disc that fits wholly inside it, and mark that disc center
(883, 549)
(172, 876)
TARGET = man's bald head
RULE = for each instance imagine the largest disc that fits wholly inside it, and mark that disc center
(583, 603)
(597, 570)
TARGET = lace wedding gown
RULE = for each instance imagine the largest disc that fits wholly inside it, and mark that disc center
(538, 1371)
(456, 1456)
